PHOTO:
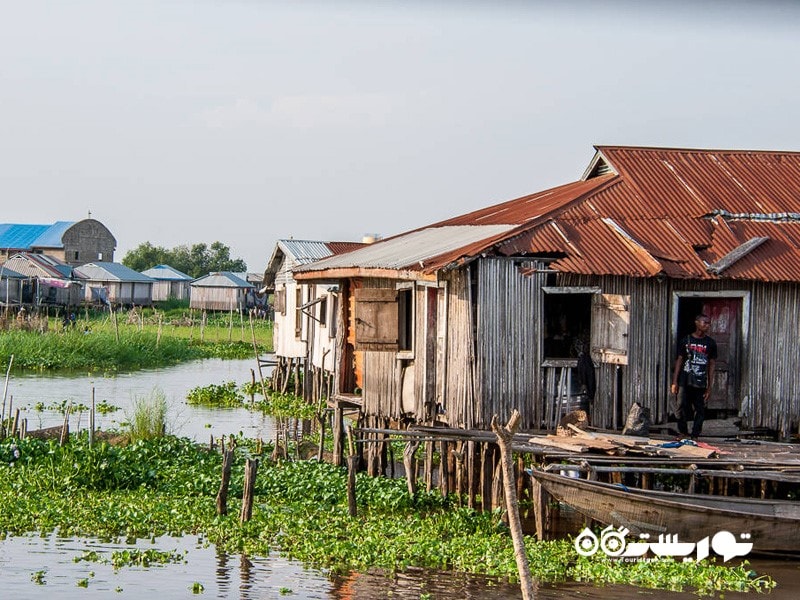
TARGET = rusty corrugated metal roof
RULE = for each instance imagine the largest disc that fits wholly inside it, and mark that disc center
(652, 211)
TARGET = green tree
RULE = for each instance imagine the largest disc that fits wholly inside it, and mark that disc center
(146, 256)
(195, 260)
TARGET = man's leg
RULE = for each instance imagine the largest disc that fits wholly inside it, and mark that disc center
(683, 411)
(699, 405)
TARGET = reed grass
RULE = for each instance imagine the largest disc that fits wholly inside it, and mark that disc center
(147, 418)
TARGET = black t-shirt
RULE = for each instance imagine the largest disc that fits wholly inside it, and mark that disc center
(696, 353)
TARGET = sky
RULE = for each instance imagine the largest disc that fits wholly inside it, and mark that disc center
(245, 122)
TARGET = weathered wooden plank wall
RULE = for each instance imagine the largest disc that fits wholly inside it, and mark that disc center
(509, 342)
(382, 385)
(769, 389)
(770, 373)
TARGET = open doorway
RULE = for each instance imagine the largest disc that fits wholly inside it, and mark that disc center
(727, 329)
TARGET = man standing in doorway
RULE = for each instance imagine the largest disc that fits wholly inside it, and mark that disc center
(694, 372)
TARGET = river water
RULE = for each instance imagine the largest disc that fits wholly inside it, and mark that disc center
(45, 566)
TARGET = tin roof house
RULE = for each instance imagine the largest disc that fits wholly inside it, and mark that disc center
(169, 283)
(306, 314)
(576, 296)
(221, 290)
(48, 281)
(115, 284)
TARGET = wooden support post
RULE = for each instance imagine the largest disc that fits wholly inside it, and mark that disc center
(409, 463)
(497, 487)
(91, 419)
(222, 495)
(472, 474)
(65, 428)
(487, 472)
(352, 467)
(458, 456)
(250, 471)
(505, 435)
(338, 434)
(428, 466)
(444, 473)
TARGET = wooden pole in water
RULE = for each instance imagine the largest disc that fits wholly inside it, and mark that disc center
(505, 435)
(250, 471)
(410, 466)
(5, 392)
(158, 335)
(230, 325)
(258, 360)
(65, 427)
(91, 421)
(352, 466)
(222, 495)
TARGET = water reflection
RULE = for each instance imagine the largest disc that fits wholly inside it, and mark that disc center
(120, 390)
(226, 576)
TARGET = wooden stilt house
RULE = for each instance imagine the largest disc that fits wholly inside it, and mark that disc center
(304, 329)
(576, 297)
(48, 280)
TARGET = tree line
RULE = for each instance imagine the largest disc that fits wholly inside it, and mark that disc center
(195, 260)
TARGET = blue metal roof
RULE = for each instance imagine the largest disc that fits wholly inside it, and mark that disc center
(166, 273)
(51, 238)
(20, 236)
(26, 237)
(108, 271)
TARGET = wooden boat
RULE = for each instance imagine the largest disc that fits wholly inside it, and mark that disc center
(773, 525)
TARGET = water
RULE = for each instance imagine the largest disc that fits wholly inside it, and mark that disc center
(234, 576)
(197, 423)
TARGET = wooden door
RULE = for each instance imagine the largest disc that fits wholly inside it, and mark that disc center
(726, 314)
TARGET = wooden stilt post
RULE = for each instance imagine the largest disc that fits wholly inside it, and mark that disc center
(410, 466)
(222, 495)
(504, 437)
(338, 434)
(250, 471)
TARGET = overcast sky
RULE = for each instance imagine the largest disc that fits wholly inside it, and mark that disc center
(178, 122)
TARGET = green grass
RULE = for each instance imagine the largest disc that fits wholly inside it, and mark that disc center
(100, 349)
(148, 416)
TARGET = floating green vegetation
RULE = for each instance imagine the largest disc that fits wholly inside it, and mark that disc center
(286, 405)
(225, 395)
(168, 485)
(134, 557)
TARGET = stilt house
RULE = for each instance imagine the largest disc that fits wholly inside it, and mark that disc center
(115, 283)
(169, 283)
(48, 281)
(221, 290)
(304, 329)
(577, 295)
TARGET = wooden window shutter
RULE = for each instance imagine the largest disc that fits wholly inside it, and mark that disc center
(280, 301)
(376, 322)
(610, 321)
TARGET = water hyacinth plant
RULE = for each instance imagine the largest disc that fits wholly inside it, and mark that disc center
(167, 485)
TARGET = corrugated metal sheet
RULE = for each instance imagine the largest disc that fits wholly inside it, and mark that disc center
(696, 182)
(39, 265)
(107, 271)
(411, 250)
(221, 279)
(166, 273)
(662, 211)
(20, 236)
(51, 237)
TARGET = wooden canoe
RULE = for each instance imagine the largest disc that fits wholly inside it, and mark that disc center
(774, 525)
